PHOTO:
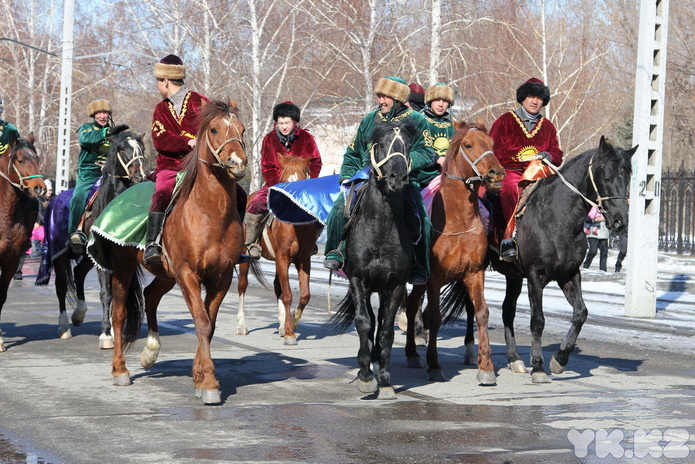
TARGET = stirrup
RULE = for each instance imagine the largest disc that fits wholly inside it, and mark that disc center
(508, 252)
(78, 241)
(254, 251)
(153, 255)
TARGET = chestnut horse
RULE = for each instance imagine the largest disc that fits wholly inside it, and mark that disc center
(285, 244)
(202, 240)
(21, 184)
(123, 169)
(459, 246)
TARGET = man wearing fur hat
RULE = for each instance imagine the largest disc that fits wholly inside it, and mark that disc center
(174, 128)
(5, 130)
(95, 145)
(520, 137)
(392, 93)
(286, 139)
(439, 98)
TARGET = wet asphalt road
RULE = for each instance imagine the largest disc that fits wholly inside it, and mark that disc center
(300, 404)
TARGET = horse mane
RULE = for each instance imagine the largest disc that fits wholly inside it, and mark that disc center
(383, 127)
(209, 111)
(462, 129)
(293, 164)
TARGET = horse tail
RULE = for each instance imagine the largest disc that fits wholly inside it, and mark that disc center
(453, 302)
(344, 317)
(135, 306)
(258, 274)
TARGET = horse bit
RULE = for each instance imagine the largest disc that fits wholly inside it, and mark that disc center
(474, 165)
(390, 154)
(216, 152)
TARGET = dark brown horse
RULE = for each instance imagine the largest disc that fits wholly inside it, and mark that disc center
(285, 244)
(459, 245)
(202, 240)
(21, 184)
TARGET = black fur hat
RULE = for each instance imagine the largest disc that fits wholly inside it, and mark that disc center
(533, 88)
(286, 109)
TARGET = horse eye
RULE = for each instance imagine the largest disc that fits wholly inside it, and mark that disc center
(214, 131)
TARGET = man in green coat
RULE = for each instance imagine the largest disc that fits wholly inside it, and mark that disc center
(95, 145)
(392, 93)
(5, 130)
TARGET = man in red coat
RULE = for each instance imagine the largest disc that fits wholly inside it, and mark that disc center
(174, 128)
(287, 139)
(519, 137)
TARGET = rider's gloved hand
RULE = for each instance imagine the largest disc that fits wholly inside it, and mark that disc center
(545, 156)
(116, 129)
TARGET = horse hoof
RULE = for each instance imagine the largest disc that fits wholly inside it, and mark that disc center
(436, 376)
(403, 321)
(420, 340)
(486, 378)
(540, 377)
(415, 362)
(290, 341)
(79, 313)
(2, 347)
(241, 331)
(148, 358)
(65, 334)
(105, 342)
(122, 380)
(209, 396)
(367, 387)
(518, 367)
(556, 367)
(386, 393)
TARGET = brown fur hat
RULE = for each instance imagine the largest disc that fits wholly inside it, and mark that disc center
(99, 105)
(393, 87)
(439, 92)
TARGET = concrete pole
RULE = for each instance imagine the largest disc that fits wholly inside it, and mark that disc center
(645, 188)
(64, 130)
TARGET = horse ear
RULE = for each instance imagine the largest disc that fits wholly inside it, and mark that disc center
(31, 138)
(479, 121)
(12, 140)
(458, 125)
(603, 145)
(631, 151)
(233, 105)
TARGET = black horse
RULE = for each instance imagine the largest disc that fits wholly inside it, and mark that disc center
(124, 168)
(552, 245)
(379, 255)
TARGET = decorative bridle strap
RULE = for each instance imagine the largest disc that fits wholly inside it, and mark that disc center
(21, 185)
(474, 165)
(216, 151)
(389, 154)
(138, 156)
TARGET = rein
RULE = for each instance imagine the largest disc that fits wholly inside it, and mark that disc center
(389, 154)
(216, 152)
(21, 185)
(599, 199)
(474, 165)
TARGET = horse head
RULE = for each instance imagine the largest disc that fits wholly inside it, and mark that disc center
(390, 154)
(293, 167)
(470, 157)
(21, 167)
(222, 134)
(610, 169)
(126, 158)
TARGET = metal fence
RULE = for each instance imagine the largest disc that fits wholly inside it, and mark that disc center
(677, 222)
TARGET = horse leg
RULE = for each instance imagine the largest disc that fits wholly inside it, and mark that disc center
(535, 293)
(283, 292)
(573, 292)
(241, 328)
(514, 285)
(121, 278)
(153, 295)
(304, 277)
(105, 339)
(80, 272)
(470, 357)
(364, 321)
(412, 307)
(475, 282)
(60, 268)
(206, 385)
(6, 274)
(384, 339)
(433, 319)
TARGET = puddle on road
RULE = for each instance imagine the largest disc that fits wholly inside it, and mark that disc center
(12, 453)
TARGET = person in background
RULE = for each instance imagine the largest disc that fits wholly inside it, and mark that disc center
(6, 129)
(94, 143)
(38, 234)
(416, 101)
(287, 139)
(622, 249)
(597, 235)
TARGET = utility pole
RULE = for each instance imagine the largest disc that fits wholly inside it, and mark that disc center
(645, 187)
(63, 157)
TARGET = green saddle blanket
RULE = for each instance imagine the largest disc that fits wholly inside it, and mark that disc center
(123, 221)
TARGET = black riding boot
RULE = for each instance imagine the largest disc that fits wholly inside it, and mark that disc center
(153, 252)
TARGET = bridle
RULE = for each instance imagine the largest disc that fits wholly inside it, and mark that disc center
(216, 151)
(21, 184)
(474, 165)
(126, 165)
(376, 165)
